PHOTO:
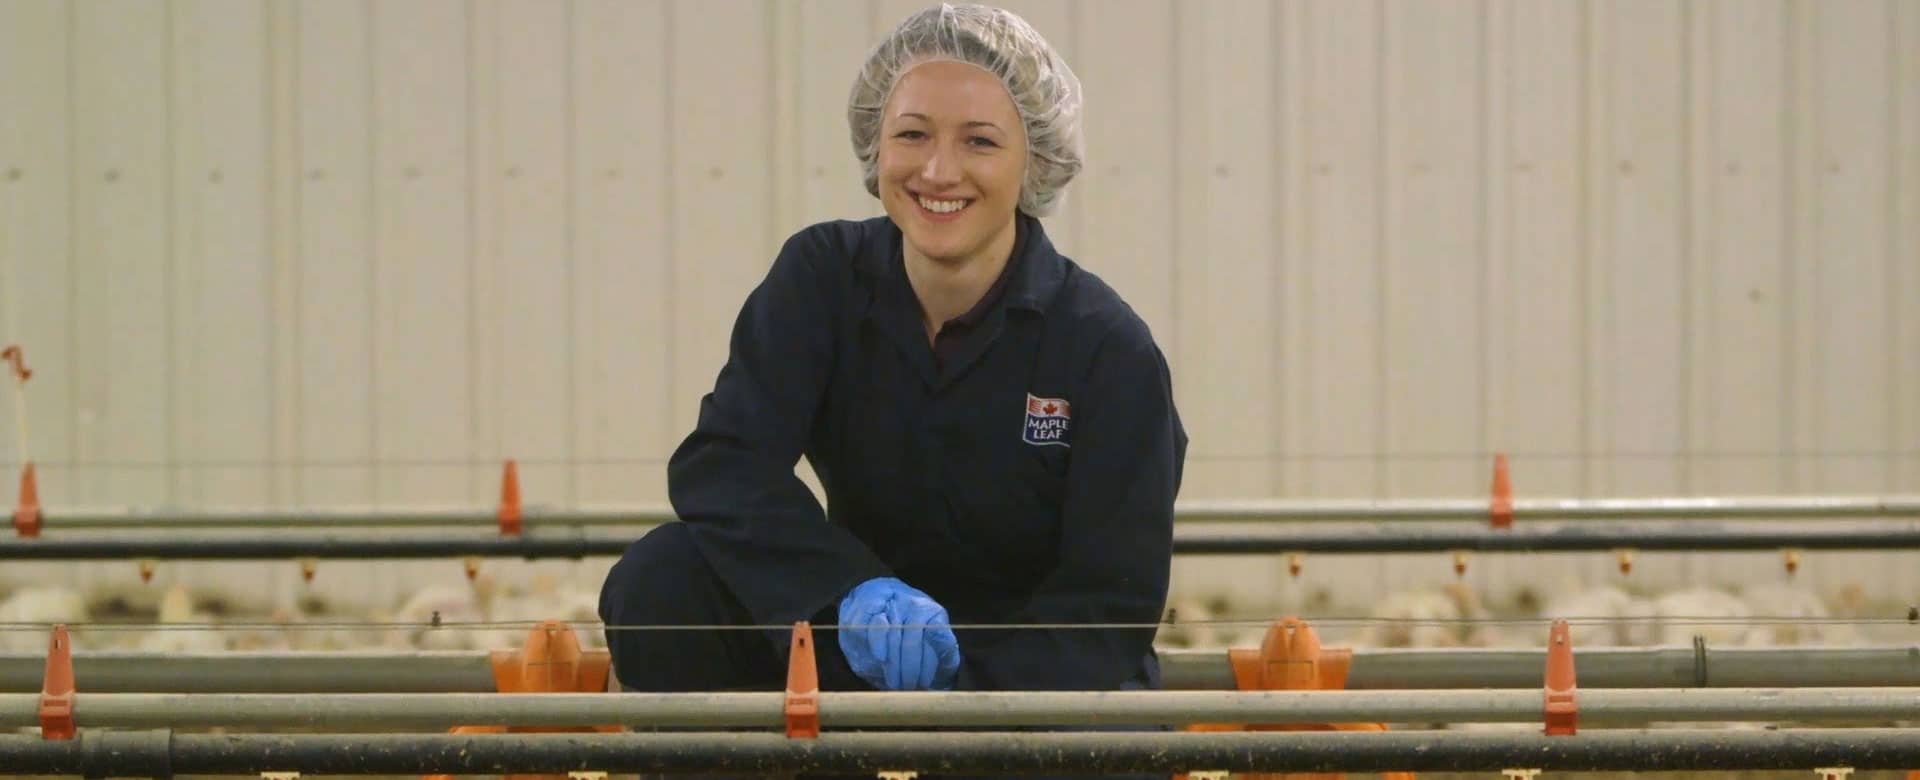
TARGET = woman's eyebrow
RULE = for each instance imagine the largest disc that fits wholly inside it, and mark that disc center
(974, 123)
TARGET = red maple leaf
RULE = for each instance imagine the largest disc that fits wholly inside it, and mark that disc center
(1049, 408)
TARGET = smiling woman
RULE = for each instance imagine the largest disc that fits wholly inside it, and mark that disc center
(993, 426)
(950, 176)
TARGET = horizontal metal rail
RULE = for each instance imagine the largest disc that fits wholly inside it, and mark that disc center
(281, 544)
(1703, 666)
(164, 754)
(340, 712)
(1255, 510)
(1397, 669)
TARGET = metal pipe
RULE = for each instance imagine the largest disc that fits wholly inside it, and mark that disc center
(1653, 508)
(1570, 538)
(1258, 510)
(160, 754)
(330, 672)
(1187, 541)
(1394, 669)
(402, 711)
(321, 518)
(1599, 667)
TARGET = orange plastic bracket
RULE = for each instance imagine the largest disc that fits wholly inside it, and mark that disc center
(56, 690)
(803, 686)
(510, 500)
(26, 517)
(551, 661)
(1290, 658)
(1562, 712)
(1500, 509)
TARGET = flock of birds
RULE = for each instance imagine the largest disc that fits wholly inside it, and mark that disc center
(481, 614)
(489, 611)
(1772, 614)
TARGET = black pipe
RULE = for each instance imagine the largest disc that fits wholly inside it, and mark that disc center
(154, 754)
(1398, 539)
(1585, 537)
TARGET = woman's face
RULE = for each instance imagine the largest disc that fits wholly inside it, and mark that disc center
(952, 156)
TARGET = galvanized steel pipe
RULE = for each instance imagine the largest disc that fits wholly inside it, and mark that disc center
(1396, 669)
(1258, 510)
(554, 543)
(390, 711)
(159, 754)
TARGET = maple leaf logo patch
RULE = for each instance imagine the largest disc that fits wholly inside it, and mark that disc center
(1049, 421)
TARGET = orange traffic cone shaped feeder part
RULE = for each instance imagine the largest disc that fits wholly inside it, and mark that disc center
(1290, 658)
(551, 661)
(26, 516)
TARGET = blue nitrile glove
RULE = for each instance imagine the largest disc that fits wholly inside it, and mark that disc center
(905, 643)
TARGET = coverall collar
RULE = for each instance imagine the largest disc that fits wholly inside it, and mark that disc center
(1035, 274)
(1037, 269)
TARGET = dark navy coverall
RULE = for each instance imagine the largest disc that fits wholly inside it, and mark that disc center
(937, 468)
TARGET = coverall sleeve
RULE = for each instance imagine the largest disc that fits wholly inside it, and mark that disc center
(1116, 542)
(732, 480)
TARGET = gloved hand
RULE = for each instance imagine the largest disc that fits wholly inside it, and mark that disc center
(905, 645)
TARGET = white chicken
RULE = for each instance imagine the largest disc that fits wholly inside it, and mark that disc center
(1593, 616)
(1716, 616)
(1422, 617)
(428, 620)
(546, 599)
(40, 607)
(181, 627)
(1796, 604)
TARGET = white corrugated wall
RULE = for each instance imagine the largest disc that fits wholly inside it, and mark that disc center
(324, 253)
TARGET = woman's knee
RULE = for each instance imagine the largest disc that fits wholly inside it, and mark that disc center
(650, 581)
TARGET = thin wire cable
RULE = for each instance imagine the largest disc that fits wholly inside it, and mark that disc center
(1244, 623)
(1289, 457)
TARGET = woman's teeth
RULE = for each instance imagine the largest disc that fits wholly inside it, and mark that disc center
(942, 206)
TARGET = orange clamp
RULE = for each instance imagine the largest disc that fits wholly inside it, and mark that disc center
(1562, 712)
(1290, 658)
(510, 500)
(56, 690)
(803, 686)
(1500, 509)
(27, 517)
(551, 661)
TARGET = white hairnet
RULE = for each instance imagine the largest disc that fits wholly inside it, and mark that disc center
(1044, 90)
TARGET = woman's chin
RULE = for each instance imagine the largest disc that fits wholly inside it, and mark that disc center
(944, 253)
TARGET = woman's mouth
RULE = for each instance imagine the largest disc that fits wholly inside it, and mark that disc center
(941, 210)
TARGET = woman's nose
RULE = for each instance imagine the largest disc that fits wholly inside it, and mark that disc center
(941, 167)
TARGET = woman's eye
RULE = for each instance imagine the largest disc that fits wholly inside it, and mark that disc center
(982, 141)
(910, 135)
